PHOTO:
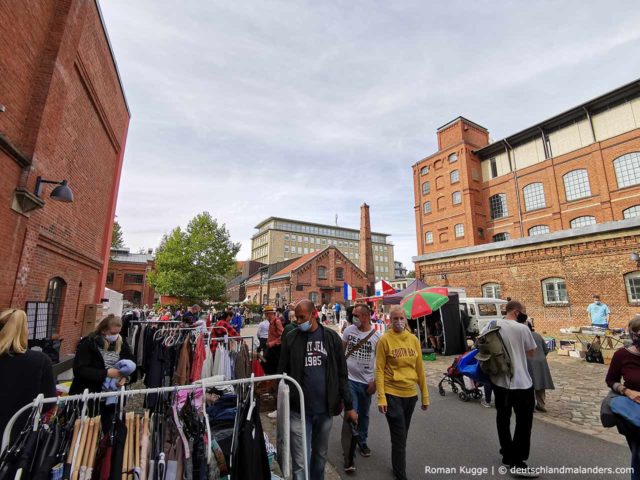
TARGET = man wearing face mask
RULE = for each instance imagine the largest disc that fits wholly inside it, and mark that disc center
(515, 393)
(359, 341)
(598, 313)
(313, 356)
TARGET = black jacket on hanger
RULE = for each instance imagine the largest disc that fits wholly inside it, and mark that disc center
(88, 365)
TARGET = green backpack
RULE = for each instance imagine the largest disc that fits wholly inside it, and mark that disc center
(493, 355)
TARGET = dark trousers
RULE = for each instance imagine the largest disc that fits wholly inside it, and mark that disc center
(263, 345)
(634, 446)
(521, 402)
(399, 412)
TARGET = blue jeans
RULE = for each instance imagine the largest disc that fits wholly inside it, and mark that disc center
(361, 404)
(318, 430)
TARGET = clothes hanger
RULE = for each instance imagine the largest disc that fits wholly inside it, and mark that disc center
(252, 398)
(206, 422)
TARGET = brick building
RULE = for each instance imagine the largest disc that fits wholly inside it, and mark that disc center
(537, 214)
(236, 287)
(128, 275)
(318, 276)
(65, 118)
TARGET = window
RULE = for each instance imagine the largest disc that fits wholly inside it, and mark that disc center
(339, 273)
(134, 278)
(533, 196)
(428, 237)
(424, 170)
(454, 176)
(491, 290)
(632, 281)
(286, 237)
(322, 273)
(627, 169)
(426, 207)
(453, 158)
(554, 291)
(632, 212)
(306, 250)
(313, 296)
(498, 205)
(582, 222)
(110, 277)
(576, 184)
(456, 198)
(494, 168)
(500, 237)
(286, 248)
(459, 230)
(55, 294)
(538, 230)
(487, 309)
(426, 188)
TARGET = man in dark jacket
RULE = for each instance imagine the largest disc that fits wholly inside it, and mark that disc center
(314, 357)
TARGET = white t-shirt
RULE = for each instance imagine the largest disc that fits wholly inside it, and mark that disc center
(263, 329)
(361, 364)
(518, 339)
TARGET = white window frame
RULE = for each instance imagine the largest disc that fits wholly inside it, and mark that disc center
(579, 222)
(559, 288)
(428, 238)
(633, 289)
(493, 202)
(426, 188)
(426, 211)
(424, 170)
(537, 230)
(453, 157)
(576, 184)
(456, 197)
(456, 174)
(631, 212)
(627, 168)
(491, 290)
(459, 230)
(533, 195)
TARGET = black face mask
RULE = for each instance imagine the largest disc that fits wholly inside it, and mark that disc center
(522, 317)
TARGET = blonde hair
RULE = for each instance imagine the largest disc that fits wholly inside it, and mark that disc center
(396, 308)
(14, 331)
(105, 324)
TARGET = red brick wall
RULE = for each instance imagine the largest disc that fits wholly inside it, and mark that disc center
(67, 114)
(120, 269)
(589, 266)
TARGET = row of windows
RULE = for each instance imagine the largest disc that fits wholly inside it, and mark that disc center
(438, 164)
(576, 186)
(554, 290)
(458, 231)
(456, 199)
(454, 177)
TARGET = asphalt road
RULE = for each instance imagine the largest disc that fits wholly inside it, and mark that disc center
(455, 434)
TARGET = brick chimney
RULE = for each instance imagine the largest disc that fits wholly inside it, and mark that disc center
(366, 249)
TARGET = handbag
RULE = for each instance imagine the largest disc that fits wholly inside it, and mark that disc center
(607, 417)
(626, 408)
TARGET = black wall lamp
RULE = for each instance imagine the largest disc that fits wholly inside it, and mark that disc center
(61, 193)
(25, 201)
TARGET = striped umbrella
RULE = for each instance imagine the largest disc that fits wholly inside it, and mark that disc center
(421, 303)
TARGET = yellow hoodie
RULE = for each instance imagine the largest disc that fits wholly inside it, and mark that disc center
(399, 367)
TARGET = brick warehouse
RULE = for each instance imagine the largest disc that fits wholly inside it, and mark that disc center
(65, 118)
(537, 215)
(128, 275)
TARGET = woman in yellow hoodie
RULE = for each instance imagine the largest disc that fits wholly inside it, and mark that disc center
(398, 370)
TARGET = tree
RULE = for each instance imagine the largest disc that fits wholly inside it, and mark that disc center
(193, 264)
(411, 274)
(117, 239)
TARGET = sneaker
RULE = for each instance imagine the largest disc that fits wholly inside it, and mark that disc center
(364, 450)
(349, 468)
(485, 404)
(273, 414)
(522, 470)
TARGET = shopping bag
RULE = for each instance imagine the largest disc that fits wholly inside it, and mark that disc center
(350, 438)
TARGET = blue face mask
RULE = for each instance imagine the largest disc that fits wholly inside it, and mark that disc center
(305, 326)
(111, 338)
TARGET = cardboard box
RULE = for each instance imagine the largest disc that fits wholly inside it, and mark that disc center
(564, 353)
(92, 316)
(567, 345)
(577, 354)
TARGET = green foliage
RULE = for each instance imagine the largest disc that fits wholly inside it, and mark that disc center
(194, 263)
(117, 239)
(411, 274)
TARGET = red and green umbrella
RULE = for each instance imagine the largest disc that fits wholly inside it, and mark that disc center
(421, 303)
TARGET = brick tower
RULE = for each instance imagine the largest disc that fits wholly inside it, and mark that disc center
(366, 249)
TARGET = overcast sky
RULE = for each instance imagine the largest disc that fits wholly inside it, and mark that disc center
(306, 109)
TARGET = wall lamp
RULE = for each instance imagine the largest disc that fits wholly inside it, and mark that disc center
(25, 201)
(635, 258)
(61, 193)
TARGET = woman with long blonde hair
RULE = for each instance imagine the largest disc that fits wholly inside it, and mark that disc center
(24, 373)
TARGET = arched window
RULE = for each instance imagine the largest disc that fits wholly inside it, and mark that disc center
(538, 230)
(441, 204)
(424, 170)
(426, 188)
(456, 198)
(453, 158)
(426, 207)
(533, 196)
(439, 182)
(498, 205)
(631, 212)
(55, 295)
(437, 164)
(582, 221)
(632, 282)
(443, 237)
(428, 237)
(491, 290)
(322, 273)
(554, 291)
(459, 230)
(454, 176)
(500, 237)
(340, 273)
(576, 184)
(627, 169)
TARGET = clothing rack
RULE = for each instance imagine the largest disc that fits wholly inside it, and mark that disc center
(40, 401)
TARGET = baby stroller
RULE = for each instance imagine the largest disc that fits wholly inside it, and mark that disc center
(462, 385)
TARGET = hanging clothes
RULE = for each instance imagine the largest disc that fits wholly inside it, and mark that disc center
(249, 457)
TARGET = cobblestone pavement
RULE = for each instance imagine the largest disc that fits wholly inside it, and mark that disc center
(575, 402)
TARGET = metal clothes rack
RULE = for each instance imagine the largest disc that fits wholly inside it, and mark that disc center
(122, 394)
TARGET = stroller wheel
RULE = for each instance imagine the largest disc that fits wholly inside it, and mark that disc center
(441, 389)
(463, 396)
(477, 395)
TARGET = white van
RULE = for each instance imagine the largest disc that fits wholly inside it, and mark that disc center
(481, 311)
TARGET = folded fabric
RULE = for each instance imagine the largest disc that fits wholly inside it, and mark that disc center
(627, 409)
(126, 368)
